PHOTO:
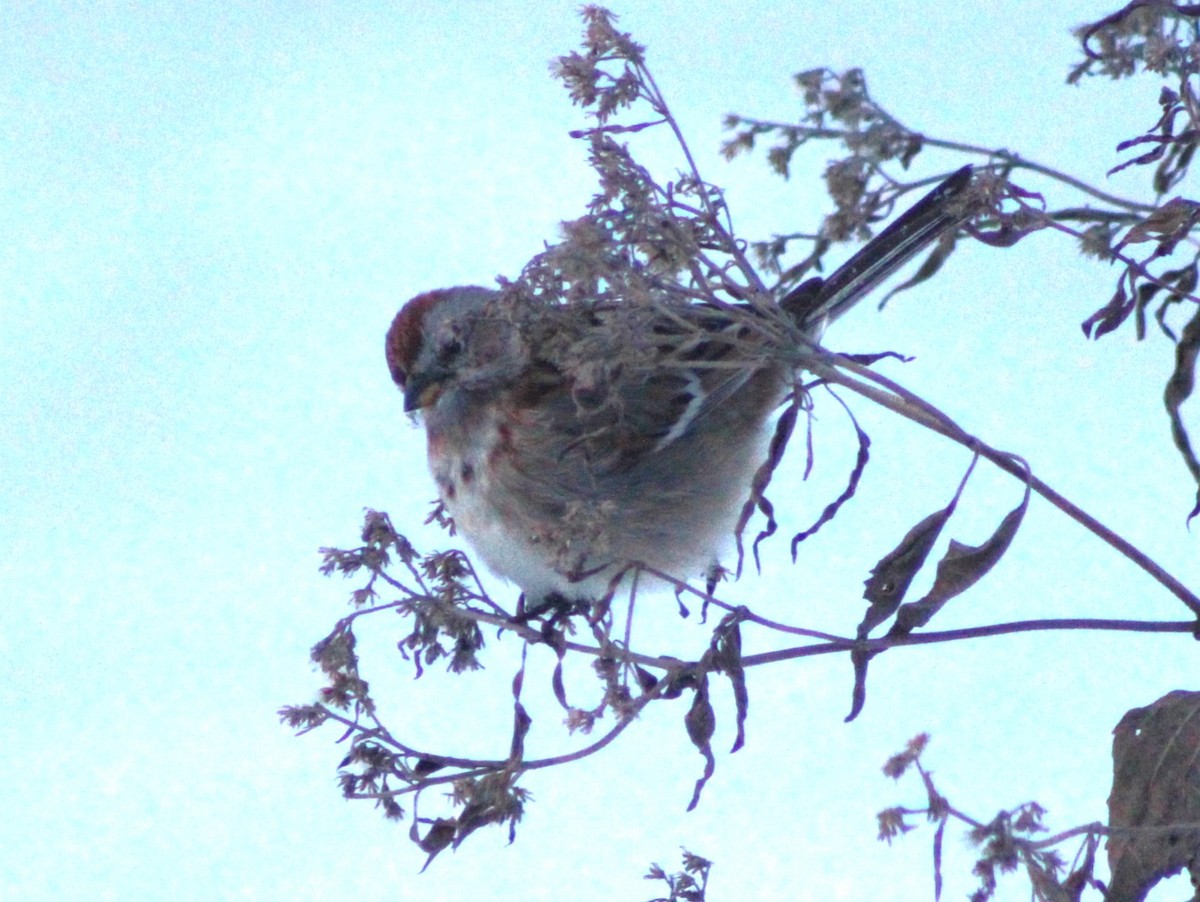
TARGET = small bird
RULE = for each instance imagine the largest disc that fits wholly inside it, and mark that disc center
(569, 442)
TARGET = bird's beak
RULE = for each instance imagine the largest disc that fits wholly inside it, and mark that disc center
(421, 391)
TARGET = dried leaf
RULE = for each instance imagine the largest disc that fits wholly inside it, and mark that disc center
(679, 682)
(1172, 170)
(891, 577)
(645, 679)
(701, 723)
(928, 269)
(1182, 284)
(556, 639)
(960, 568)
(440, 835)
(831, 509)
(1179, 389)
(1111, 315)
(1155, 153)
(521, 724)
(859, 658)
(1156, 783)
(700, 720)
(727, 643)
(556, 682)
(475, 814)
(521, 718)
(426, 766)
(1006, 234)
(1168, 224)
(762, 478)
(872, 359)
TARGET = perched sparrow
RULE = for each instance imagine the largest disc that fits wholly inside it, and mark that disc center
(569, 441)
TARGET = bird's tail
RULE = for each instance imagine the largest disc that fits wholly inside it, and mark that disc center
(817, 302)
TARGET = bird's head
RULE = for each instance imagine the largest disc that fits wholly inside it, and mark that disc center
(446, 338)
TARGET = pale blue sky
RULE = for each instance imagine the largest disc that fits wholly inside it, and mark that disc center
(210, 217)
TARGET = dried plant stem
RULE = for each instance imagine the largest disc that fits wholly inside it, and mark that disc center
(1006, 157)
